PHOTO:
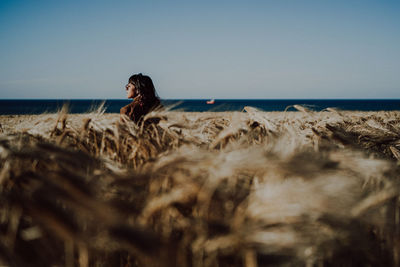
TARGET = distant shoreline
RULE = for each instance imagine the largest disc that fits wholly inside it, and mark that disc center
(37, 106)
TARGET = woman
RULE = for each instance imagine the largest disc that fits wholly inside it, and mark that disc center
(141, 89)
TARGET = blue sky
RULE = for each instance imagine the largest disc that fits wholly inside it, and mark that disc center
(201, 49)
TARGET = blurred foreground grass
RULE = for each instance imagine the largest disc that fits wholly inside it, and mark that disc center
(201, 189)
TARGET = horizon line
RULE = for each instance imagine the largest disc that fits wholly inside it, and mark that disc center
(124, 99)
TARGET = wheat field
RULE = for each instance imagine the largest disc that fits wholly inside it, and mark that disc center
(247, 188)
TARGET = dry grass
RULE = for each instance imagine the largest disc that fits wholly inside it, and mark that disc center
(201, 189)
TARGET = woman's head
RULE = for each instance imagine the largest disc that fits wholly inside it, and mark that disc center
(142, 85)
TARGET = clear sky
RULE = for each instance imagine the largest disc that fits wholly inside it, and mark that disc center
(201, 49)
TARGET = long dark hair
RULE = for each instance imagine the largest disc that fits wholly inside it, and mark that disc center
(145, 87)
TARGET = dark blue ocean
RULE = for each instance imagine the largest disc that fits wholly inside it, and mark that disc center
(8, 107)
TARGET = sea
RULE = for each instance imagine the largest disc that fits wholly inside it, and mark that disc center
(39, 106)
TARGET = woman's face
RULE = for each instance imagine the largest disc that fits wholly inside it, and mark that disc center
(130, 90)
